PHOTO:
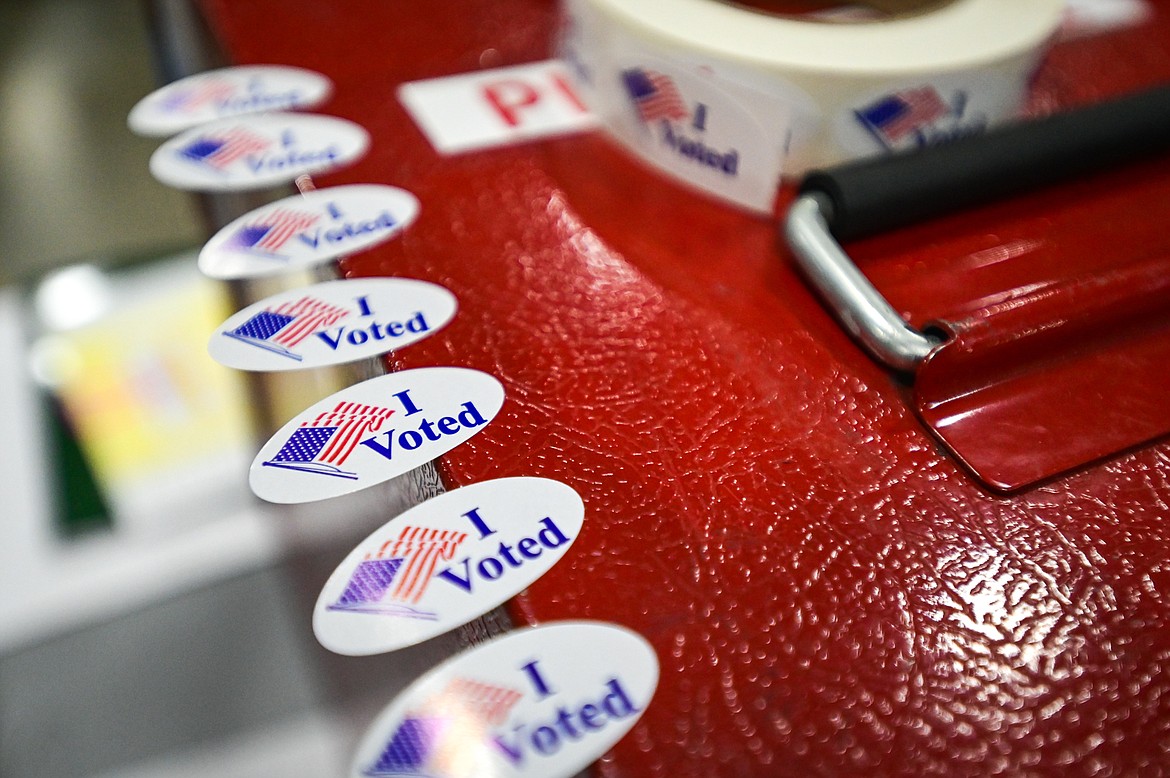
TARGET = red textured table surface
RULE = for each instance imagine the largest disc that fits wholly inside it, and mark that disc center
(827, 591)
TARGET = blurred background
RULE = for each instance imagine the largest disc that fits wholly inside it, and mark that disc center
(154, 617)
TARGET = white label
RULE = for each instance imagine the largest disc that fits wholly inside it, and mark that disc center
(445, 562)
(306, 230)
(257, 151)
(496, 107)
(543, 702)
(219, 94)
(374, 431)
(1083, 18)
(712, 125)
(331, 323)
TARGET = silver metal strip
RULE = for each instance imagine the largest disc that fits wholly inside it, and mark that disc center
(860, 308)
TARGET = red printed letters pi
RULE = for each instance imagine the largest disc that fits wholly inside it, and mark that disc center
(509, 97)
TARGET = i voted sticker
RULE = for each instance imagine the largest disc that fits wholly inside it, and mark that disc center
(691, 125)
(918, 114)
(331, 323)
(220, 94)
(305, 230)
(374, 431)
(445, 562)
(542, 702)
(257, 151)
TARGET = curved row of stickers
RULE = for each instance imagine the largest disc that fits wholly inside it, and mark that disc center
(541, 701)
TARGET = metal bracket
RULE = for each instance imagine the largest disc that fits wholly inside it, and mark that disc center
(861, 308)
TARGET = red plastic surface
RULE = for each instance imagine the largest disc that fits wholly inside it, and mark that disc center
(828, 592)
(1053, 377)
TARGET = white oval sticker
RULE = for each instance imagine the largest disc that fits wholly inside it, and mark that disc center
(331, 323)
(543, 702)
(220, 94)
(374, 431)
(257, 151)
(305, 230)
(445, 562)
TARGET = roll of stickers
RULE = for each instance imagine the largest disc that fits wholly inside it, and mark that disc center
(731, 100)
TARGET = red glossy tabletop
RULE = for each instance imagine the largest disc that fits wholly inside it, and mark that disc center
(828, 591)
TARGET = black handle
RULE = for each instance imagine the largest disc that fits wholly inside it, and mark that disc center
(879, 194)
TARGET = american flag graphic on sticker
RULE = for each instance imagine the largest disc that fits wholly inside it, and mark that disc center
(284, 327)
(218, 151)
(463, 697)
(899, 116)
(448, 735)
(392, 580)
(267, 234)
(322, 445)
(654, 95)
(196, 96)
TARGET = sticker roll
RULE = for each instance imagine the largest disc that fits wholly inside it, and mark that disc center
(731, 100)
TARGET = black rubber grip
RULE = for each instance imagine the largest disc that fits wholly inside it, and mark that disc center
(875, 195)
